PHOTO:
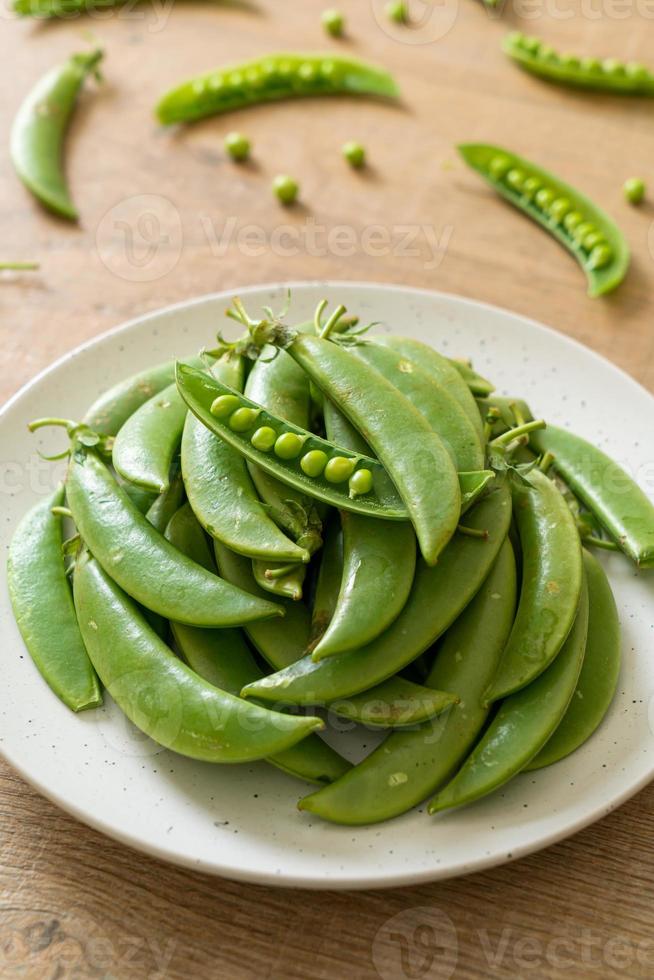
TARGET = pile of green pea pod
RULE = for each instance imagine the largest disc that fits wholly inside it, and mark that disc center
(315, 522)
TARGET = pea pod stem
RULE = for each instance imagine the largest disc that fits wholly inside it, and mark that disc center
(18, 266)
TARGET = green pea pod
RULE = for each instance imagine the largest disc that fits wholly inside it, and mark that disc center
(283, 647)
(606, 490)
(234, 515)
(440, 369)
(599, 674)
(280, 579)
(328, 583)
(45, 9)
(110, 411)
(552, 576)
(480, 387)
(609, 75)
(269, 79)
(43, 606)
(522, 725)
(439, 595)
(149, 440)
(141, 561)
(223, 658)
(166, 505)
(410, 452)
(408, 766)
(141, 498)
(39, 130)
(579, 225)
(203, 393)
(276, 382)
(441, 409)
(160, 694)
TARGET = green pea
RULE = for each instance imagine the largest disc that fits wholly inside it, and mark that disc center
(531, 186)
(289, 445)
(611, 66)
(355, 154)
(264, 439)
(592, 240)
(559, 208)
(286, 188)
(635, 70)
(333, 21)
(548, 53)
(499, 166)
(224, 405)
(339, 469)
(570, 61)
(397, 10)
(313, 463)
(583, 229)
(572, 219)
(531, 44)
(600, 257)
(634, 190)
(243, 419)
(360, 482)
(238, 146)
(544, 198)
(515, 178)
(591, 64)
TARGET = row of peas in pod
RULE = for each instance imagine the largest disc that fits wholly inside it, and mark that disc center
(311, 517)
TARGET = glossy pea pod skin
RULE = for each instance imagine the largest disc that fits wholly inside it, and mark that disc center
(149, 440)
(439, 595)
(552, 578)
(599, 674)
(413, 455)
(569, 216)
(380, 706)
(409, 766)
(43, 606)
(607, 75)
(523, 724)
(440, 408)
(223, 658)
(160, 694)
(141, 561)
(110, 411)
(270, 79)
(376, 573)
(39, 130)
(444, 373)
(203, 395)
(479, 386)
(604, 488)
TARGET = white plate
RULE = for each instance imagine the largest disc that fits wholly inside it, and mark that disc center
(241, 821)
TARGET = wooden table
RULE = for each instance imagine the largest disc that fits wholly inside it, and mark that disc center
(165, 217)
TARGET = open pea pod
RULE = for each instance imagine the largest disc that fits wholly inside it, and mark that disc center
(264, 439)
(579, 225)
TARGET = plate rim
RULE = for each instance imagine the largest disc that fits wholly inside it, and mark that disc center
(325, 881)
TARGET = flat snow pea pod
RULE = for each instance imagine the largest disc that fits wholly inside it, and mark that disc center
(383, 703)
(205, 397)
(412, 454)
(478, 385)
(39, 131)
(269, 79)
(166, 505)
(379, 561)
(328, 583)
(522, 725)
(607, 75)
(223, 658)
(440, 593)
(162, 696)
(220, 489)
(408, 766)
(395, 703)
(43, 606)
(440, 408)
(441, 370)
(605, 489)
(552, 577)
(149, 440)
(569, 216)
(599, 674)
(141, 561)
(111, 410)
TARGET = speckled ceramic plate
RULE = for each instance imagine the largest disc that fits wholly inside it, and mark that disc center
(241, 821)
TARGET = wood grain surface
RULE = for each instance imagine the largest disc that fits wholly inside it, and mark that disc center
(166, 217)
